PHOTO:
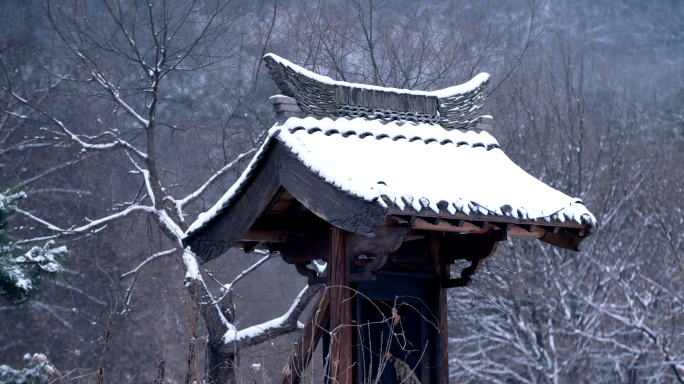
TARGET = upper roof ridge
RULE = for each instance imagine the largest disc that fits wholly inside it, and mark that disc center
(318, 95)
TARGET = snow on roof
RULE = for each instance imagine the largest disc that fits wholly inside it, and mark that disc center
(321, 96)
(415, 165)
(469, 86)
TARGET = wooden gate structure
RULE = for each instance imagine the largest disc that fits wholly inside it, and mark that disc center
(387, 188)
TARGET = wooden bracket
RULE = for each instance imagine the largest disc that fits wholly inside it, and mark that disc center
(387, 239)
(564, 239)
(447, 282)
(409, 221)
(473, 248)
(368, 273)
(314, 278)
(251, 245)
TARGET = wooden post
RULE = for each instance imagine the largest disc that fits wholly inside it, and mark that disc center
(340, 311)
(442, 347)
(308, 340)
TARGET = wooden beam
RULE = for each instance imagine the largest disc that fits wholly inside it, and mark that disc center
(403, 267)
(433, 243)
(443, 225)
(386, 239)
(565, 240)
(303, 249)
(308, 340)
(468, 227)
(505, 226)
(455, 222)
(275, 199)
(279, 228)
(432, 220)
(517, 231)
(312, 246)
(467, 247)
(340, 361)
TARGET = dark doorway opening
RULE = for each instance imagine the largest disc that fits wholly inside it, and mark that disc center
(395, 335)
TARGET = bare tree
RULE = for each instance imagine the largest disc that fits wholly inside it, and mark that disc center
(131, 57)
(612, 312)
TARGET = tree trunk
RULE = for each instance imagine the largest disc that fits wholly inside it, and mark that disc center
(221, 367)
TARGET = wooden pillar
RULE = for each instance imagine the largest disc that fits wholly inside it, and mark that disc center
(340, 311)
(308, 340)
(442, 347)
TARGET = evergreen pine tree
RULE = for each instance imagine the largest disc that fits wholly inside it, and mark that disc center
(21, 274)
(36, 370)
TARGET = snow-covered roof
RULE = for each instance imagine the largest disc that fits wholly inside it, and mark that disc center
(420, 166)
(456, 90)
(317, 95)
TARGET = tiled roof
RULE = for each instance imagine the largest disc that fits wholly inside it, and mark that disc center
(454, 107)
(415, 165)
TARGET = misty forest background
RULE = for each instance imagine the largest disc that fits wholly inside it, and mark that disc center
(585, 95)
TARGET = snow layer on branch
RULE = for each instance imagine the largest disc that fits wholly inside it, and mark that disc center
(46, 258)
(259, 329)
(32, 372)
(446, 92)
(253, 331)
(18, 275)
(191, 266)
(416, 165)
(9, 201)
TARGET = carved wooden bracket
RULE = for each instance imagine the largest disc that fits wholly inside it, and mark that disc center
(368, 273)
(386, 241)
(473, 248)
(447, 282)
(314, 277)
